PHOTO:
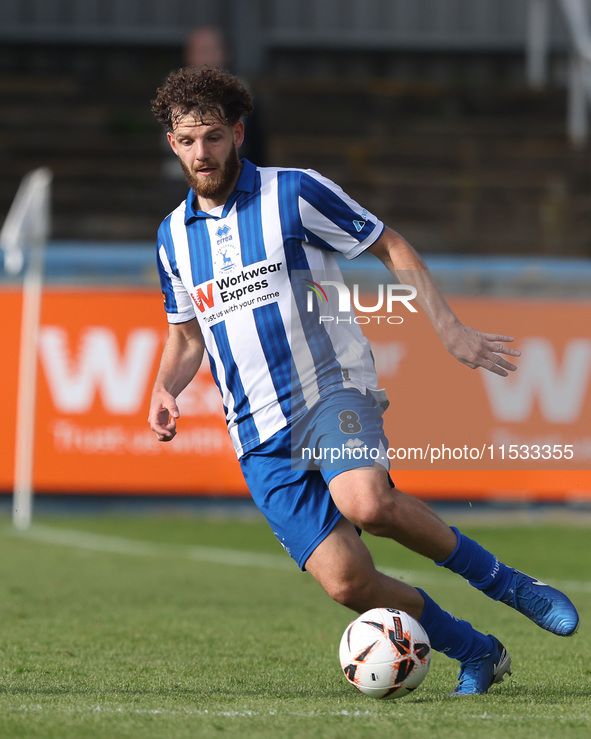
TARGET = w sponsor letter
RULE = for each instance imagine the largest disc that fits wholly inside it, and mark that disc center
(98, 368)
(559, 387)
(202, 299)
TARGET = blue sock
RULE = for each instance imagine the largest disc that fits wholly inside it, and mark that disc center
(481, 568)
(457, 639)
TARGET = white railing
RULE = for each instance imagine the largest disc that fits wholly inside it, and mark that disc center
(576, 16)
(22, 239)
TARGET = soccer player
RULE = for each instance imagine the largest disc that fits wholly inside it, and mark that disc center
(238, 260)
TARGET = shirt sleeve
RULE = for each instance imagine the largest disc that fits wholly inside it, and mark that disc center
(177, 301)
(334, 221)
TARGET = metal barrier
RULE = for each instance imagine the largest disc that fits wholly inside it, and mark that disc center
(372, 24)
(257, 27)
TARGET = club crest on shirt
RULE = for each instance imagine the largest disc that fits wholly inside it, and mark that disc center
(226, 257)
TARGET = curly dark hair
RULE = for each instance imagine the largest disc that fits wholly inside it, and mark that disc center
(201, 91)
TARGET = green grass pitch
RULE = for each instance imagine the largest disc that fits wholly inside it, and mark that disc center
(173, 627)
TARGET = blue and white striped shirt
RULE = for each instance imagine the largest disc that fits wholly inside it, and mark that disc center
(244, 270)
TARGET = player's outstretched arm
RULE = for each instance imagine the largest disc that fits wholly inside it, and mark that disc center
(181, 358)
(469, 346)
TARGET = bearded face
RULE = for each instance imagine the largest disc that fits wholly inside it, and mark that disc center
(209, 183)
(207, 149)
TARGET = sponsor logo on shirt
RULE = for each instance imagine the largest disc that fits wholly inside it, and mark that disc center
(203, 296)
(251, 287)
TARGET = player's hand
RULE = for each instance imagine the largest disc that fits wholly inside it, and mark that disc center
(476, 349)
(163, 415)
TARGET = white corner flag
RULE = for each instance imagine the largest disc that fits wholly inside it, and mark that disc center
(24, 234)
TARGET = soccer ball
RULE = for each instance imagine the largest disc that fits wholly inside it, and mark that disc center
(385, 653)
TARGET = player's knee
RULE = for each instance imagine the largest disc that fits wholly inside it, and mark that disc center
(376, 514)
(348, 591)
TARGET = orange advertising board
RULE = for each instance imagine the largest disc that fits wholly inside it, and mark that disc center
(98, 357)
(456, 432)
(453, 432)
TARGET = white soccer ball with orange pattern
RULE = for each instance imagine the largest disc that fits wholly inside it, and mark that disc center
(385, 653)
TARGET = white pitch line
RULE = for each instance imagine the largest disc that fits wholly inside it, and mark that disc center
(217, 555)
(253, 713)
(214, 555)
(132, 547)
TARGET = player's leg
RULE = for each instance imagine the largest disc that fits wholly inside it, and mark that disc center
(305, 519)
(546, 606)
(366, 498)
(343, 566)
